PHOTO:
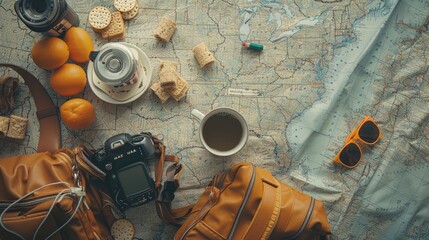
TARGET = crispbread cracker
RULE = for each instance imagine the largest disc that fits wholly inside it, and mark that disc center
(132, 13)
(180, 90)
(168, 79)
(160, 92)
(99, 18)
(170, 84)
(99, 30)
(165, 29)
(122, 229)
(4, 126)
(182, 94)
(167, 74)
(203, 55)
(166, 65)
(124, 5)
(116, 28)
(17, 127)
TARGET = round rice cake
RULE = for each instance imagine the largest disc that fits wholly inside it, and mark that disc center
(130, 14)
(99, 17)
(122, 229)
(124, 5)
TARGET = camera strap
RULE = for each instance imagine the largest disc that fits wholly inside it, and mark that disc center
(165, 190)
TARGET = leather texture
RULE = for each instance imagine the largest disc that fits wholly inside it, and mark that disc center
(47, 112)
(49, 185)
(247, 202)
(8, 87)
(23, 174)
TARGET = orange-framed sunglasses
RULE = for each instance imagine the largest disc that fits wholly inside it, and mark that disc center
(366, 132)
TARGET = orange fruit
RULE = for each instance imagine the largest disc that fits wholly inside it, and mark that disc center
(50, 53)
(68, 80)
(79, 43)
(77, 113)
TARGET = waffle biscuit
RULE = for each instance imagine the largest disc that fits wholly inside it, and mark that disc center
(165, 29)
(203, 55)
(122, 229)
(131, 14)
(124, 5)
(116, 28)
(99, 18)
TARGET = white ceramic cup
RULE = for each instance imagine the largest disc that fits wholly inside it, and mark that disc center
(223, 131)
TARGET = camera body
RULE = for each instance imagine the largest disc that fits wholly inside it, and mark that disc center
(123, 160)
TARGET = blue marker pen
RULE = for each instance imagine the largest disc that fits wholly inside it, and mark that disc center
(253, 46)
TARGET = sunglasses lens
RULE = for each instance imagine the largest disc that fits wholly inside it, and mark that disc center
(350, 155)
(369, 132)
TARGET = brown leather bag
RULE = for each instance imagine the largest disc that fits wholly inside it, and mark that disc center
(248, 203)
(46, 195)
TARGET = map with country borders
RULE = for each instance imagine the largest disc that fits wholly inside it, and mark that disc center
(325, 65)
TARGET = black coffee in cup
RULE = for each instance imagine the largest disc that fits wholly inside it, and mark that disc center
(51, 17)
(222, 132)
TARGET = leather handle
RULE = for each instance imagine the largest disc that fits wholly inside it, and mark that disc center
(47, 112)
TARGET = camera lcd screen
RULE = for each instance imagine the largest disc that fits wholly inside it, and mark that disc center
(133, 180)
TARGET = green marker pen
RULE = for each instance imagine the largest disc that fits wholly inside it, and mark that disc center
(253, 46)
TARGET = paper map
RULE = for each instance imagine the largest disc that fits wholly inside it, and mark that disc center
(325, 65)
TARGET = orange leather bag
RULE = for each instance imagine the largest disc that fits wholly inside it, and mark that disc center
(247, 202)
(46, 195)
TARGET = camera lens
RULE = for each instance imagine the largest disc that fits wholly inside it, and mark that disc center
(39, 6)
(38, 9)
(51, 17)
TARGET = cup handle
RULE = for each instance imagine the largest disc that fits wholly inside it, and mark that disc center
(198, 115)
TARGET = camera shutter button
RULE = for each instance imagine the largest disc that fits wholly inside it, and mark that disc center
(108, 166)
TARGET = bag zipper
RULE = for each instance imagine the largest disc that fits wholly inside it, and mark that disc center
(306, 220)
(220, 183)
(28, 203)
(243, 204)
(240, 211)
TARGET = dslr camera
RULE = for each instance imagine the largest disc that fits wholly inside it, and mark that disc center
(123, 161)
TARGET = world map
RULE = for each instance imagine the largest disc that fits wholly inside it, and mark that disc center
(326, 64)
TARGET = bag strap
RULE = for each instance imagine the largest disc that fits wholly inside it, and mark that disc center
(268, 212)
(8, 86)
(47, 112)
(165, 191)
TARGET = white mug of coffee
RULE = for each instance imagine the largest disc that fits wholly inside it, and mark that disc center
(222, 131)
